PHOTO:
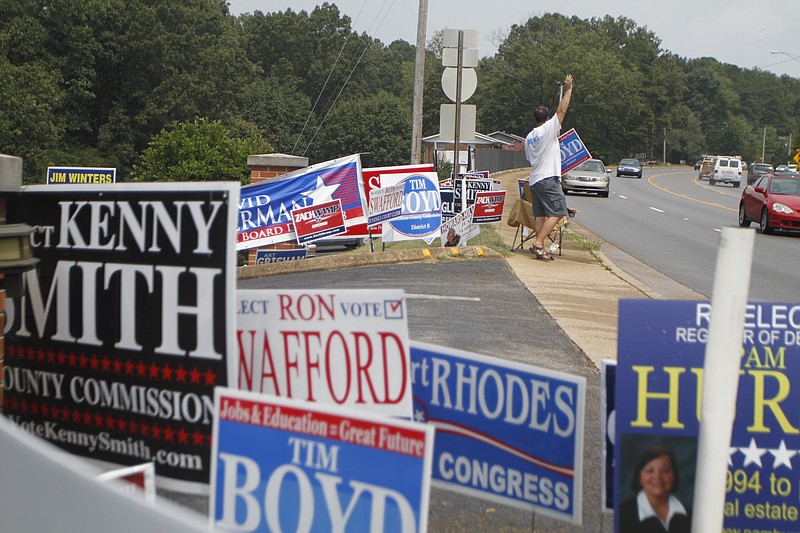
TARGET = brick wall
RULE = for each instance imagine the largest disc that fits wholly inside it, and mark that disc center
(268, 166)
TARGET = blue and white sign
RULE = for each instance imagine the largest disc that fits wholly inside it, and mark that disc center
(421, 215)
(284, 465)
(279, 256)
(660, 359)
(573, 151)
(385, 203)
(505, 432)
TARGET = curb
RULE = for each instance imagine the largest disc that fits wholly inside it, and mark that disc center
(391, 257)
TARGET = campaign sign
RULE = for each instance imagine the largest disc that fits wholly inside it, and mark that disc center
(80, 175)
(660, 359)
(463, 227)
(284, 465)
(488, 206)
(344, 346)
(448, 211)
(372, 180)
(385, 203)
(318, 221)
(265, 208)
(505, 432)
(421, 215)
(608, 374)
(465, 189)
(573, 151)
(264, 257)
(127, 323)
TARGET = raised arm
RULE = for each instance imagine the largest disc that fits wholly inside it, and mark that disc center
(564, 103)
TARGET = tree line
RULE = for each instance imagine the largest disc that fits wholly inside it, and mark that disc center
(184, 90)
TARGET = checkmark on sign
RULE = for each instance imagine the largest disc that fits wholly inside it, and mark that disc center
(393, 308)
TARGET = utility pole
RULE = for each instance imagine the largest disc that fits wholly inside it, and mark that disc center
(665, 145)
(419, 85)
(764, 144)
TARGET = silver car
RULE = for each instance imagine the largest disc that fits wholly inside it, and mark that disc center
(589, 176)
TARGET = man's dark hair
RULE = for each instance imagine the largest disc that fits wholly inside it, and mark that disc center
(541, 114)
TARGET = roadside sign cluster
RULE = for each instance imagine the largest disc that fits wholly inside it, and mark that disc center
(304, 410)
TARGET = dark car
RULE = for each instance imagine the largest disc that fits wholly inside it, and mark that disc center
(756, 170)
(773, 201)
(629, 167)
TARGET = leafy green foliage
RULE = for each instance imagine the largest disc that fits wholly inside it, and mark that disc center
(198, 150)
(98, 82)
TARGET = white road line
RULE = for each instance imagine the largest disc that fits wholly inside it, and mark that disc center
(718, 230)
(437, 297)
(656, 209)
(623, 197)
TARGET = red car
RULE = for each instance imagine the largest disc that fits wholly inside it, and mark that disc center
(773, 201)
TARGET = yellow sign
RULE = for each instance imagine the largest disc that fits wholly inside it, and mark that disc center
(797, 157)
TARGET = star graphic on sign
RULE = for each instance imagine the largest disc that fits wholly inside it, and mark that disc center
(323, 193)
(752, 454)
(419, 415)
(731, 451)
(782, 456)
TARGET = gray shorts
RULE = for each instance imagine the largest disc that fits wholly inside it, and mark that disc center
(548, 198)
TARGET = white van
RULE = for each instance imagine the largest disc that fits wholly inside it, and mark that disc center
(726, 170)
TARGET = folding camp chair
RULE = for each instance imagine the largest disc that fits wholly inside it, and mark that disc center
(521, 218)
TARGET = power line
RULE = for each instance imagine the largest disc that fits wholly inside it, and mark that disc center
(330, 73)
(358, 61)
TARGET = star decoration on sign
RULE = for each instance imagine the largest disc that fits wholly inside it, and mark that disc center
(752, 454)
(323, 193)
(731, 451)
(782, 456)
(419, 415)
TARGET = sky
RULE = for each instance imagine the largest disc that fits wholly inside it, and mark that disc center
(739, 32)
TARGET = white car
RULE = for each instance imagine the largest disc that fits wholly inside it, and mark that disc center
(590, 176)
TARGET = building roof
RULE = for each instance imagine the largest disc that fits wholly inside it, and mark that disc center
(480, 138)
(507, 137)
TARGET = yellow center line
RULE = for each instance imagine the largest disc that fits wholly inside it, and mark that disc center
(685, 197)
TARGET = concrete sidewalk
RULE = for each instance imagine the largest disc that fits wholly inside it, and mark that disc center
(580, 289)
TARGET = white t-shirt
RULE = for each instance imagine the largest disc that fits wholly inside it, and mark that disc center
(543, 152)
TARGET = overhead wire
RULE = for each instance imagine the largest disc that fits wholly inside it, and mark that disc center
(352, 70)
(324, 85)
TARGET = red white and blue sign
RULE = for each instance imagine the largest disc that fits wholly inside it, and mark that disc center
(372, 180)
(488, 207)
(318, 221)
(284, 465)
(660, 360)
(421, 215)
(505, 432)
(573, 151)
(265, 209)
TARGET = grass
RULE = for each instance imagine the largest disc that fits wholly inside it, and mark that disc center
(489, 237)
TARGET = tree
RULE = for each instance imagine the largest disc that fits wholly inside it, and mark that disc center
(282, 112)
(198, 150)
(379, 125)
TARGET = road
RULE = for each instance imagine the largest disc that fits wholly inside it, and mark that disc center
(671, 221)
